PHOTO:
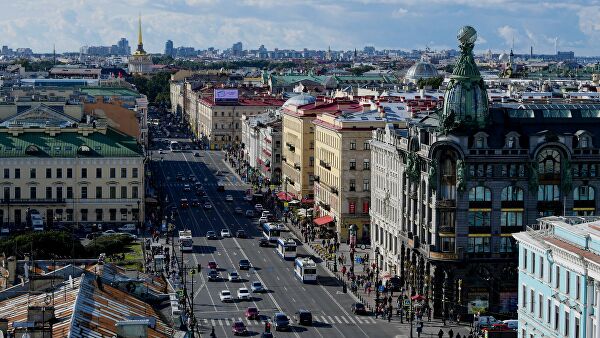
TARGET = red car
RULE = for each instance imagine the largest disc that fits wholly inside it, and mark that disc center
(252, 313)
(212, 265)
(239, 328)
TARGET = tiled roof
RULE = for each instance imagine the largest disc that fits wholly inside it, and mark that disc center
(65, 144)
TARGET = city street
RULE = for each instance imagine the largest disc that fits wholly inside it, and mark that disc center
(330, 307)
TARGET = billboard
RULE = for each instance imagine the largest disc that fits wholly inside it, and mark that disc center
(226, 95)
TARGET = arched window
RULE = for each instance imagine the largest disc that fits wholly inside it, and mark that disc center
(549, 162)
(448, 175)
(512, 194)
(584, 193)
(480, 194)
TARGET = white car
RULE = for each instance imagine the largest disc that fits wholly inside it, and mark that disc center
(127, 227)
(225, 233)
(258, 207)
(229, 198)
(257, 287)
(225, 296)
(243, 293)
(186, 187)
(263, 219)
(234, 276)
(266, 213)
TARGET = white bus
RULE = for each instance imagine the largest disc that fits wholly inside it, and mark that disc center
(174, 146)
(305, 269)
(186, 243)
(271, 231)
(286, 248)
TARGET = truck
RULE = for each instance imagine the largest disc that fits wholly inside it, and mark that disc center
(186, 242)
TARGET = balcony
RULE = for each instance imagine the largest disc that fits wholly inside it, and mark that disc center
(445, 204)
(325, 165)
(290, 147)
(36, 201)
(413, 195)
(444, 256)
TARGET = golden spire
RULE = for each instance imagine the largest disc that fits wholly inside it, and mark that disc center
(140, 43)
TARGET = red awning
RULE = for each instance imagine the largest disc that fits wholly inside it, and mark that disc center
(308, 200)
(323, 220)
(285, 196)
(417, 298)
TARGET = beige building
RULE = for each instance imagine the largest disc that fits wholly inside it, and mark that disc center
(342, 187)
(298, 156)
(68, 167)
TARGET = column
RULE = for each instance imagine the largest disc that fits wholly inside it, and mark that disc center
(597, 308)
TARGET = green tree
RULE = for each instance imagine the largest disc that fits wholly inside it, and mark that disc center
(43, 245)
(109, 245)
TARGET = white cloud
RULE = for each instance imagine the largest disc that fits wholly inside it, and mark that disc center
(400, 12)
(508, 34)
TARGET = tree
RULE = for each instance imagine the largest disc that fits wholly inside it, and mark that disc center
(43, 245)
(360, 70)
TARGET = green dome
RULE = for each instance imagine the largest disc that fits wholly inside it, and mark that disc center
(465, 100)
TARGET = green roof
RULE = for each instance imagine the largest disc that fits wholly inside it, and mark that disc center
(291, 78)
(109, 91)
(67, 144)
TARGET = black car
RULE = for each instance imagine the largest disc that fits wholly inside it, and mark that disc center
(264, 242)
(304, 317)
(240, 234)
(244, 264)
(195, 202)
(196, 154)
(93, 235)
(359, 309)
(211, 235)
(213, 275)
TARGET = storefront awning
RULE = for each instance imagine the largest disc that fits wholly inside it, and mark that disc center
(323, 220)
(285, 196)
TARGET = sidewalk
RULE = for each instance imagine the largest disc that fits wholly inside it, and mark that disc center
(430, 328)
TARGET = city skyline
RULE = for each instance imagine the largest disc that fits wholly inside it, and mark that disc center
(400, 24)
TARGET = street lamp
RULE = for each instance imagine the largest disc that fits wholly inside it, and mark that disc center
(376, 277)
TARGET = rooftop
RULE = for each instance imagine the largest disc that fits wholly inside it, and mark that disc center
(109, 91)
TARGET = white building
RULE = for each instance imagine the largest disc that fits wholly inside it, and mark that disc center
(261, 136)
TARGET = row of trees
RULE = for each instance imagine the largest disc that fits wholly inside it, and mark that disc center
(156, 88)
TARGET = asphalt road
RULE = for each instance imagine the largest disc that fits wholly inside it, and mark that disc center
(329, 306)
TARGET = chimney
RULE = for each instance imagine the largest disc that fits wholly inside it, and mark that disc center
(381, 112)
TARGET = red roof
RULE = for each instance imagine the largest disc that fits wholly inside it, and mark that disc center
(285, 196)
(323, 220)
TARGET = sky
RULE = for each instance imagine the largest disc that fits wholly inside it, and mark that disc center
(296, 24)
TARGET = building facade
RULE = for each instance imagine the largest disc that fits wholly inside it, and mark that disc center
(261, 137)
(559, 271)
(140, 62)
(470, 176)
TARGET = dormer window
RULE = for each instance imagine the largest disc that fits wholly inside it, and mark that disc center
(510, 143)
(584, 142)
(480, 140)
(511, 140)
(584, 139)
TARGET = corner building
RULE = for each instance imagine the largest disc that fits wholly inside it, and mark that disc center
(468, 177)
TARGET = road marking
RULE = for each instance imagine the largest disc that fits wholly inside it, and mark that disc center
(293, 300)
(220, 323)
(277, 277)
(331, 319)
(359, 320)
(324, 320)
(345, 320)
(351, 320)
(212, 322)
(226, 321)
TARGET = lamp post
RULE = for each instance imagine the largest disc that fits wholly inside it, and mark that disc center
(411, 301)
(376, 278)
(139, 202)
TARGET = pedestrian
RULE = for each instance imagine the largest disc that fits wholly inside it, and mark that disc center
(441, 333)
(451, 333)
(390, 313)
(458, 335)
(369, 290)
(428, 313)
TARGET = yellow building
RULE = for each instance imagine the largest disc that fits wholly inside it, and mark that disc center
(342, 188)
(298, 159)
(140, 62)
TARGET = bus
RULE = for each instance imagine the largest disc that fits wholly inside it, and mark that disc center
(305, 269)
(174, 146)
(271, 232)
(286, 248)
(186, 243)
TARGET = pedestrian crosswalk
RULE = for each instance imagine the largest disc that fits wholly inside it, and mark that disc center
(331, 320)
(207, 184)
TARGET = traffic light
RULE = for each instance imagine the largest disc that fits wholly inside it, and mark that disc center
(192, 272)
(199, 267)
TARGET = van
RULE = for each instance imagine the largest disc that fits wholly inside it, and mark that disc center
(486, 321)
(37, 223)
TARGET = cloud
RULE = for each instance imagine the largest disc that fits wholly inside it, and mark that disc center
(508, 34)
(400, 12)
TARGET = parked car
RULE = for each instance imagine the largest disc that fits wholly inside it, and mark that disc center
(183, 203)
(196, 154)
(262, 220)
(195, 202)
(240, 234)
(281, 321)
(127, 227)
(225, 296)
(304, 317)
(512, 324)
(252, 313)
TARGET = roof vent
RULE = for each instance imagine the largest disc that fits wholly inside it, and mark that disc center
(134, 328)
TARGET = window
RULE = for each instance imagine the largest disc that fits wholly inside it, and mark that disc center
(541, 267)
(98, 215)
(507, 244)
(479, 142)
(447, 244)
(557, 277)
(548, 192)
(479, 244)
(112, 214)
(533, 263)
(549, 162)
(365, 207)
(351, 207)
(98, 192)
(366, 184)
(584, 142)
(98, 172)
(353, 145)
(511, 142)
(568, 282)
(352, 164)
(84, 215)
(17, 173)
(69, 192)
(480, 194)
(32, 193)
(583, 193)
(7, 193)
(58, 172)
(556, 317)
(69, 172)
(512, 170)
(531, 300)
(366, 164)
(112, 192)
(48, 193)
(577, 287)
(123, 172)
(84, 192)
(17, 193)
(352, 185)
(83, 172)
(48, 172)
(540, 305)
(567, 331)
(512, 193)
(367, 145)
(311, 145)
(525, 259)
(511, 218)
(123, 192)
(548, 310)
(134, 173)
(123, 214)
(134, 192)
(32, 173)
(113, 172)
(523, 296)
(577, 327)
(479, 218)
(311, 161)
(6, 173)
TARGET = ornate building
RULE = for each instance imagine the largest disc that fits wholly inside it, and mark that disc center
(468, 178)
(140, 62)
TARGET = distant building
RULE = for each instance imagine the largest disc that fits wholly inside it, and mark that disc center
(140, 62)
(261, 136)
(124, 48)
(169, 48)
(237, 49)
